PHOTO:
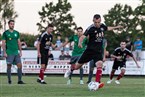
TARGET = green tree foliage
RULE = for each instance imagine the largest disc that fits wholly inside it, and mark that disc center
(140, 14)
(6, 12)
(59, 15)
(127, 17)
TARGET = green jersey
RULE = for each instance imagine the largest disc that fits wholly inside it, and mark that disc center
(77, 51)
(11, 39)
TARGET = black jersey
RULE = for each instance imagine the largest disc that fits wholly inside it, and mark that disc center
(45, 40)
(96, 36)
(123, 54)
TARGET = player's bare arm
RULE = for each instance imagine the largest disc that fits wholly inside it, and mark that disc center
(38, 49)
(104, 55)
(81, 40)
(64, 44)
(117, 57)
(20, 48)
(112, 28)
(53, 45)
(136, 62)
(4, 47)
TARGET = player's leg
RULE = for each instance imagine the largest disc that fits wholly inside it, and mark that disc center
(9, 73)
(73, 60)
(81, 75)
(44, 60)
(114, 68)
(9, 60)
(70, 76)
(76, 67)
(121, 74)
(111, 76)
(85, 57)
(99, 65)
(91, 69)
(19, 70)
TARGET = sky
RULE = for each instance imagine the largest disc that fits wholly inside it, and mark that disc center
(82, 10)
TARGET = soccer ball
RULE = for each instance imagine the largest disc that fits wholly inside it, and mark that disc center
(93, 86)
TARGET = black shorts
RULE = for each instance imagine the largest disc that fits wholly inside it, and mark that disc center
(117, 65)
(88, 55)
(74, 59)
(43, 59)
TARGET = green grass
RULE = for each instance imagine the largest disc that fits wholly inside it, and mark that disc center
(56, 87)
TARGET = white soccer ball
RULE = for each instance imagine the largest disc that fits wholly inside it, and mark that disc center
(93, 86)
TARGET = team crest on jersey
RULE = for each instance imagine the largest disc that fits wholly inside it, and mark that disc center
(46, 39)
(10, 38)
(99, 37)
(95, 31)
(50, 39)
(102, 29)
(15, 35)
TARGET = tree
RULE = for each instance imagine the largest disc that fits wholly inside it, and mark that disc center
(59, 15)
(125, 16)
(6, 12)
(140, 14)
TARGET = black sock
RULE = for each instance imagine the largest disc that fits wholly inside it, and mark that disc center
(19, 74)
(9, 74)
(81, 73)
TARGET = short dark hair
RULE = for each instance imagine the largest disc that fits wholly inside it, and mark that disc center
(123, 41)
(97, 16)
(62, 50)
(79, 28)
(10, 21)
(50, 25)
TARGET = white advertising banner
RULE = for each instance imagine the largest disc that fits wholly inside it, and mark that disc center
(3, 67)
(60, 66)
(53, 67)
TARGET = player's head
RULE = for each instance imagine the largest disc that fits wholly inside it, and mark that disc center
(50, 28)
(80, 31)
(62, 51)
(97, 20)
(11, 24)
(123, 44)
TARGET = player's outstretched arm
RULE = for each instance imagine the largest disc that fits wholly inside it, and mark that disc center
(53, 45)
(135, 62)
(112, 28)
(38, 49)
(81, 40)
(64, 44)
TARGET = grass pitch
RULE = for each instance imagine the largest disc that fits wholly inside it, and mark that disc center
(56, 87)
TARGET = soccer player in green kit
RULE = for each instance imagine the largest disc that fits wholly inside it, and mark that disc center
(76, 53)
(12, 51)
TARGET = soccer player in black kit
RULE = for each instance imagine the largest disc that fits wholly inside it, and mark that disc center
(120, 55)
(43, 46)
(94, 50)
